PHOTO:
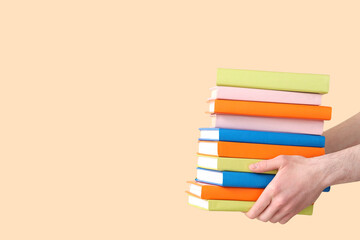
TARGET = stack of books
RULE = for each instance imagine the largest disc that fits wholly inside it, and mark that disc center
(256, 115)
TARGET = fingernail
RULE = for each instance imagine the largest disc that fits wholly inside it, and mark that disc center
(253, 166)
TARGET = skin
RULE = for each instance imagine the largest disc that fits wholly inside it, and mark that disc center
(300, 181)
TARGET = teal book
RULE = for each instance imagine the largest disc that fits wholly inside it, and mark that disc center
(279, 138)
(283, 81)
(236, 179)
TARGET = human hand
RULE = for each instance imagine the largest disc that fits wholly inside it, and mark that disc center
(297, 184)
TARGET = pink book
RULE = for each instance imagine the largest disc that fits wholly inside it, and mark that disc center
(289, 125)
(263, 95)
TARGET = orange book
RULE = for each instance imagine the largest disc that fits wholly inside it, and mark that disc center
(207, 191)
(255, 150)
(268, 109)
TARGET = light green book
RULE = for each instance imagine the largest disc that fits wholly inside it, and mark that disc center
(231, 205)
(296, 82)
(227, 164)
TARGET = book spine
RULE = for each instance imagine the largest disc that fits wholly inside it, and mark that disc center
(228, 205)
(244, 206)
(238, 164)
(264, 151)
(248, 180)
(231, 193)
(262, 95)
(263, 109)
(292, 139)
(287, 125)
(298, 82)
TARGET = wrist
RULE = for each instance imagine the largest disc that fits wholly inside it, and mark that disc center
(332, 169)
(320, 171)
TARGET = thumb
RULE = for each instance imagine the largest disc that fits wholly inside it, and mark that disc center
(266, 165)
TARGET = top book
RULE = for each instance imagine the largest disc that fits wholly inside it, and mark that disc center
(283, 81)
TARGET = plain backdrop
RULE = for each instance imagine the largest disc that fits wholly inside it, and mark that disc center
(101, 100)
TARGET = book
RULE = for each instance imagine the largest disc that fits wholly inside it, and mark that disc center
(288, 125)
(236, 179)
(248, 136)
(263, 95)
(233, 179)
(285, 81)
(230, 205)
(255, 150)
(208, 191)
(227, 164)
(264, 109)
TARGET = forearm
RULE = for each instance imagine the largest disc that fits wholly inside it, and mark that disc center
(344, 135)
(341, 167)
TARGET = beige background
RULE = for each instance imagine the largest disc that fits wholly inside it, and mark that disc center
(101, 100)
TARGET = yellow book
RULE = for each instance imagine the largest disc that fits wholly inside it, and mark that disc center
(227, 164)
(295, 82)
(231, 205)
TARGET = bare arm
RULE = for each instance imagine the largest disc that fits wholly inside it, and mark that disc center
(300, 181)
(344, 135)
(342, 166)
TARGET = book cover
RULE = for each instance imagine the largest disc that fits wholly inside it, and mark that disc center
(288, 125)
(255, 150)
(263, 95)
(265, 109)
(234, 135)
(284, 81)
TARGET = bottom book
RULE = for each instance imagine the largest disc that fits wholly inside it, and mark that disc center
(231, 205)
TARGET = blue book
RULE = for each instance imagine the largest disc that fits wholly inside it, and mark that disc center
(236, 179)
(247, 136)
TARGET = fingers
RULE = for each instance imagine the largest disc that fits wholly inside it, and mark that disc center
(279, 215)
(268, 213)
(267, 165)
(277, 202)
(259, 206)
(277, 205)
(286, 218)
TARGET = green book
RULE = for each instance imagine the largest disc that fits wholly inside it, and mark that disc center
(296, 82)
(231, 205)
(227, 164)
